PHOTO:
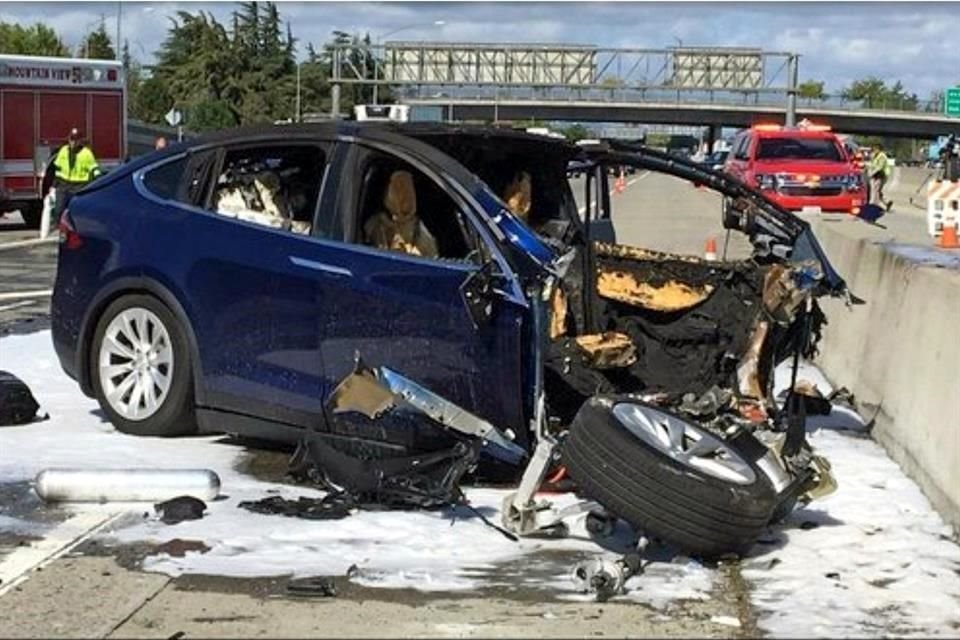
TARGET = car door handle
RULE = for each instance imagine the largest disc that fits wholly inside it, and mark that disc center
(321, 266)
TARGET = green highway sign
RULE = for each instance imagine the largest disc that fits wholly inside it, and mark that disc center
(951, 102)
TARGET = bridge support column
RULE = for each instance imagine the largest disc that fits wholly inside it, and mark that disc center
(712, 132)
(335, 101)
(792, 64)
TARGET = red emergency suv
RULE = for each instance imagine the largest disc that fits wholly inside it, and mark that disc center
(799, 168)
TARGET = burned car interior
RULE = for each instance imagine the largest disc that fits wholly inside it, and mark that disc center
(675, 350)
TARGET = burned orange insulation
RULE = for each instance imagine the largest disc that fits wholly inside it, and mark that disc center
(624, 287)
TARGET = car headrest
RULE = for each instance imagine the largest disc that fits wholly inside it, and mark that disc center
(518, 195)
(400, 198)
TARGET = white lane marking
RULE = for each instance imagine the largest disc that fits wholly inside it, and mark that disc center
(16, 305)
(28, 243)
(20, 295)
(18, 566)
(630, 182)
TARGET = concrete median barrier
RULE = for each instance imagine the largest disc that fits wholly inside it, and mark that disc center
(900, 353)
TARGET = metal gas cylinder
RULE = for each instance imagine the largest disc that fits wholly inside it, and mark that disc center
(125, 485)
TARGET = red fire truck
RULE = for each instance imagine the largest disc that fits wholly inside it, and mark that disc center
(41, 99)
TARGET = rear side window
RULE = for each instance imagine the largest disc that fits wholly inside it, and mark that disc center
(164, 180)
(798, 149)
(273, 185)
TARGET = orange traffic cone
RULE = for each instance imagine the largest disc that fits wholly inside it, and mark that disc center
(948, 239)
(710, 252)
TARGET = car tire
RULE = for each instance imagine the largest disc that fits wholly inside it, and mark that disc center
(159, 365)
(678, 503)
(31, 214)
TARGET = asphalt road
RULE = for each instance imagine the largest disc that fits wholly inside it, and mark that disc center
(102, 593)
(27, 272)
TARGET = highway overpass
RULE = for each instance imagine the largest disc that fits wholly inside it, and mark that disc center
(904, 124)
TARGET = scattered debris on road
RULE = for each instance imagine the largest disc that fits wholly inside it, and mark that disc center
(17, 404)
(179, 509)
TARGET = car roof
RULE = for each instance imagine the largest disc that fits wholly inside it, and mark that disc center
(795, 133)
(371, 128)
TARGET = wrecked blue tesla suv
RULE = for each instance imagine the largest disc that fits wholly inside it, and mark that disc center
(391, 291)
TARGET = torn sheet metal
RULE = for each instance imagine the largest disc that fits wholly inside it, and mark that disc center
(450, 415)
(607, 350)
(373, 393)
(362, 392)
(673, 295)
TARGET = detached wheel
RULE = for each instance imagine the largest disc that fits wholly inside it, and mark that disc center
(668, 478)
(140, 368)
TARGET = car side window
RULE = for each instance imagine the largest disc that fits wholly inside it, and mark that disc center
(741, 148)
(164, 180)
(277, 186)
(398, 207)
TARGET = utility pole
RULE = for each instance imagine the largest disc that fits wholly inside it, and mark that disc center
(792, 65)
(116, 46)
(335, 85)
(297, 118)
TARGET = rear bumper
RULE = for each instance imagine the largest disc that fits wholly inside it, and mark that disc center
(845, 202)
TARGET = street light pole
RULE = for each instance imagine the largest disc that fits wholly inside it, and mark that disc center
(376, 64)
(116, 48)
(298, 117)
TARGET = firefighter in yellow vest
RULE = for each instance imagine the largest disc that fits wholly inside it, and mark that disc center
(74, 165)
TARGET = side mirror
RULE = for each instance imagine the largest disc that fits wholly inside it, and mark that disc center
(478, 295)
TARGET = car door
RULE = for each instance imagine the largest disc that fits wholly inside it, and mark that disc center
(255, 311)
(408, 312)
(595, 210)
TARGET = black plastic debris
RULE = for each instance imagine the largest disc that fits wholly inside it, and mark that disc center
(17, 404)
(312, 587)
(179, 509)
(425, 481)
(334, 506)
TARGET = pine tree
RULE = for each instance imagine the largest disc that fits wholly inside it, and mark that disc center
(97, 45)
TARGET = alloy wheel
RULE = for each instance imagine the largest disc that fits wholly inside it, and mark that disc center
(136, 363)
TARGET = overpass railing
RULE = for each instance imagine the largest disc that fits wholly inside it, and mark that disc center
(664, 96)
(523, 71)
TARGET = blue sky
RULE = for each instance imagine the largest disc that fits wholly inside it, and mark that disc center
(839, 42)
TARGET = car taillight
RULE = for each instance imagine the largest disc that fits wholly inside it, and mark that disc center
(69, 238)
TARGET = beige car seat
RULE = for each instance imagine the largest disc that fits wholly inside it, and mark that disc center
(399, 228)
(519, 196)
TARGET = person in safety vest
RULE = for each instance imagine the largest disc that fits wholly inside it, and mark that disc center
(74, 165)
(879, 172)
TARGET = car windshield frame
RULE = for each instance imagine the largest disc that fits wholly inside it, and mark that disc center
(775, 148)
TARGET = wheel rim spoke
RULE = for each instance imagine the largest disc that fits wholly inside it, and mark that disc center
(119, 349)
(688, 444)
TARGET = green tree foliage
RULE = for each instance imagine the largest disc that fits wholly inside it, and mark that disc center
(246, 70)
(575, 132)
(35, 40)
(811, 90)
(875, 94)
(152, 101)
(97, 45)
